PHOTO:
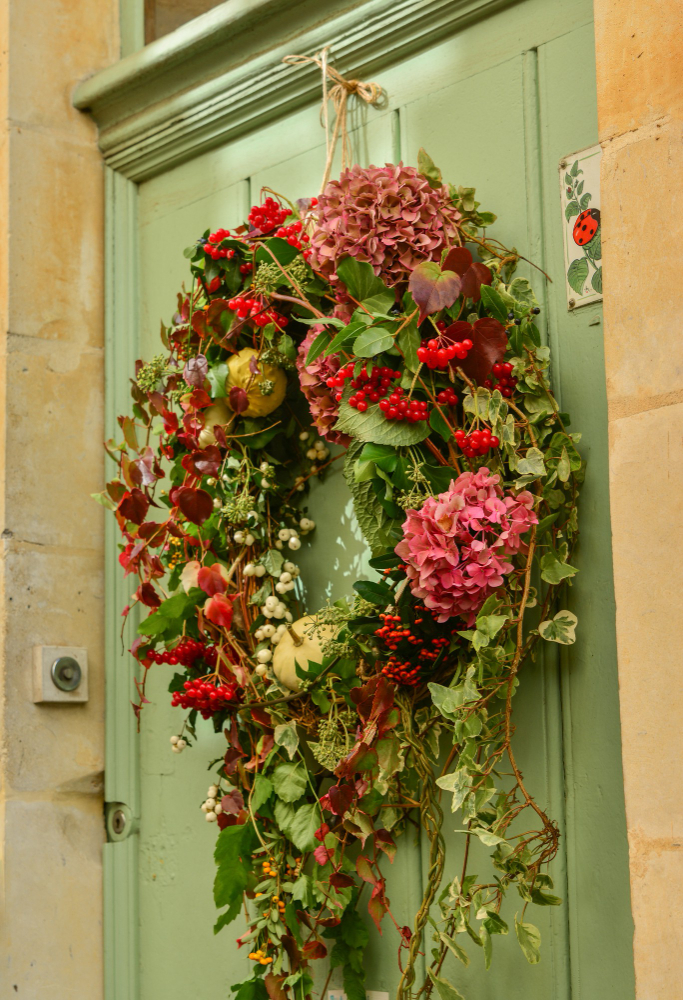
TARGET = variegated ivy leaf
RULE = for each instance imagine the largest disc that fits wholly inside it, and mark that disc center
(286, 736)
(561, 628)
(457, 782)
(554, 571)
(477, 404)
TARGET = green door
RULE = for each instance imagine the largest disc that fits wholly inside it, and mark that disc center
(496, 105)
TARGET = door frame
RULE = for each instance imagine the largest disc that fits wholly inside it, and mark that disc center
(158, 107)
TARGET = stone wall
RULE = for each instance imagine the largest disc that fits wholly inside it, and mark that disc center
(640, 108)
(51, 409)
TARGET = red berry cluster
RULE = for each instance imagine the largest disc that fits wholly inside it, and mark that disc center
(212, 248)
(447, 396)
(295, 237)
(268, 215)
(256, 311)
(208, 697)
(435, 356)
(185, 653)
(399, 407)
(502, 370)
(392, 633)
(476, 443)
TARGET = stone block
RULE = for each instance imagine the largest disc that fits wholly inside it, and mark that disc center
(642, 263)
(638, 75)
(656, 877)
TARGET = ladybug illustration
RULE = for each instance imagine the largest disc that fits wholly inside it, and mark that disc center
(586, 226)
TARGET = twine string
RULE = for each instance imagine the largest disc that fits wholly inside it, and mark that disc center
(337, 89)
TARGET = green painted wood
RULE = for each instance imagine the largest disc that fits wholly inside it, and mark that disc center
(122, 784)
(500, 101)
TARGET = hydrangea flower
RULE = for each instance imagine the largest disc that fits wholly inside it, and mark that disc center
(312, 378)
(387, 216)
(457, 546)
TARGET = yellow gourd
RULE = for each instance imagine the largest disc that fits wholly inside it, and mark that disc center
(288, 653)
(239, 374)
(217, 413)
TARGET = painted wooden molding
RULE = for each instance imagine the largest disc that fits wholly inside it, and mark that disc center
(221, 75)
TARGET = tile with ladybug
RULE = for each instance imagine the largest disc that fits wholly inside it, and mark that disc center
(580, 194)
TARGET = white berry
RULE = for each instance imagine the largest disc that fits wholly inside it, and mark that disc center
(249, 570)
(280, 611)
(238, 537)
(271, 603)
(290, 567)
(249, 539)
(265, 485)
(303, 436)
(264, 656)
(204, 808)
(283, 534)
(213, 791)
(281, 588)
(294, 543)
(211, 817)
(263, 467)
(218, 809)
(210, 803)
(260, 570)
(279, 544)
(285, 577)
(262, 670)
(181, 744)
(174, 740)
(311, 453)
(210, 481)
(267, 630)
(288, 616)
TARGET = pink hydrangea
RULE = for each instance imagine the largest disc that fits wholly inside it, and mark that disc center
(388, 216)
(322, 404)
(457, 546)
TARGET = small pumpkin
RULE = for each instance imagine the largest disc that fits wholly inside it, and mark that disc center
(217, 413)
(307, 646)
(241, 375)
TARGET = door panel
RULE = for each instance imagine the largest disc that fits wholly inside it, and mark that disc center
(495, 106)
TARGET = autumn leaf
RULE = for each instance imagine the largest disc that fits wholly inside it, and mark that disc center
(148, 595)
(218, 609)
(213, 579)
(489, 342)
(472, 274)
(238, 400)
(134, 506)
(196, 505)
(195, 371)
(432, 288)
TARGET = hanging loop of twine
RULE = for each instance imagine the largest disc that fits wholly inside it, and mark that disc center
(338, 93)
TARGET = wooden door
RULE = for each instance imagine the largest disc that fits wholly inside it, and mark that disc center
(496, 105)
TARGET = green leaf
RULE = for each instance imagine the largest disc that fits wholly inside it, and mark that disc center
(459, 783)
(217, 376)
(373, 426)
(375, 593)
(263, 789)
(378, 303)
(571, 209)
(564, 466)
(493, 303)
(491, 625)
(273, 561)
(252, 989)
(428, 169)
(176, 608)
(359, 278)
(233, 858)
(546, 522)
(320, 344)
(408, 341)
(529, 938)
(577, 274)
(289, 781)
(532, 464)
(553, 571)
(575, 169)
(302, 828)
(287, 737)
(487, 838)
(561, 628)
(495, 923)
(596, 281)
(438, 424)
(302, 890)
(445, 989)
(344, 336)
(279, 248)
(373, 341)
(453, 945)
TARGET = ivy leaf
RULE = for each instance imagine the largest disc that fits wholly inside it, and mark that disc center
(287, 737)
(532, 464)
(529, 938)
(373, 341)
(289, 781)
(493, 303)
(561, 628)
(489, 343)
(302, 890)
(445, 989)
(428, 169)
(458, 782)
(359, 278)
(553, 571)
(453, 946)
(432, 288)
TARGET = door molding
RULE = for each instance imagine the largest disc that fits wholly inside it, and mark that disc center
(188, 92)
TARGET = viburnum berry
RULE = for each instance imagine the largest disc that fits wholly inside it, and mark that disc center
(257, 312)
(502, 370)
(268, 215)
(477, 443)
(185, 653)
(447, 396)
(212, 246)
(437, 354)
(207, 696)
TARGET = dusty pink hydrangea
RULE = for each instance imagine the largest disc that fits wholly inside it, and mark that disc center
(321, 402)
(388, 216)
(457, 546)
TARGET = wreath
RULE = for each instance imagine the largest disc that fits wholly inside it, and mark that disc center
(382, 327)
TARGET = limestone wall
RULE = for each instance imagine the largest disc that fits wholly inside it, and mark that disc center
(51, 413)
(640, 108)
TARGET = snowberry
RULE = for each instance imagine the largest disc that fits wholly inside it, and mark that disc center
(312, 454)
(306, 524)
(285, 577)
(211, 817)
(260, 571)
(280, 611)
(264, 655)
(210, 481)
(218, 809)
(265, 485)
(271, 603)
(181, 744)
(279, 544)
(262, 670)
(304, 436)
(213, 791)
(266, 611)
(283, 534)
(281, 588)
(249, 539)
(238, 537)
(217, 503)
(294, 543)
(174, 740)
(204, 808)
(263, 467)
(210, 803)
(268, 631)
(291, 567)
(314, 469)
(249, 570)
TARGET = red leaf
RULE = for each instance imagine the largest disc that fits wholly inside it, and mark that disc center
(238, 399)
(233, 803)
(196, 370)
(385, 842)
(314, 949)
(475, 277)
(153, 532)
(432, 288)
(458, 259)
(208, 461)
(261, 716)
(198, 398)
(212, 579)
(322, 832)
(364, 869)
(142, 468)
(214, 313)
(341, 881)
(489, 342)
(341, 797)
(273, 985)
(323, 854)
(218, 609)
(196, 505)
(361, 758)
(134, 506)
(378, 904)
(148, 595)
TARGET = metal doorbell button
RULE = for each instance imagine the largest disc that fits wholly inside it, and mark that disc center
(60, 674)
